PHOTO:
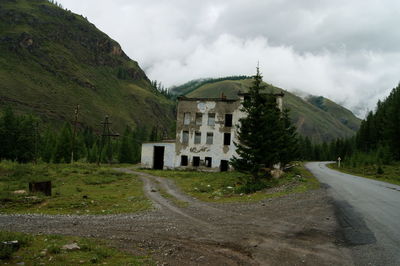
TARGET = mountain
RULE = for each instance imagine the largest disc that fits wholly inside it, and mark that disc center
(52, 59)
(316, 117)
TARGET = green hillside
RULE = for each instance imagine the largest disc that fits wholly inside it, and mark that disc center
(51, 60)
(318, 118)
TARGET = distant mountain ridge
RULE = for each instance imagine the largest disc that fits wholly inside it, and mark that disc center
(316, 117)
(52, 59)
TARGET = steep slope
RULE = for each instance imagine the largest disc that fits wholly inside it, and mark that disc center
(323, 122)
(51, 60)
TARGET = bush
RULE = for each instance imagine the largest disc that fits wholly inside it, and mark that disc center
(251, 187)
(379, 170)
(53, 249)
(6, 251)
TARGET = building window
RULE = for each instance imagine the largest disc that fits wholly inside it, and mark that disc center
(211, 119)
(208, 161)
(228, 120)
(196, 161)
(210, 137)
(186, 118)
(224, 166)
(199, 119)
(197, 138)
(184, 160)
(227, 138)
(185, 137)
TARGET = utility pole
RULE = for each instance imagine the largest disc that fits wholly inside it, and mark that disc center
(74, 133)
(36, 140)
(106, 138)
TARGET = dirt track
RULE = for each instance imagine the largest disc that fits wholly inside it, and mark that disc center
(298, 229)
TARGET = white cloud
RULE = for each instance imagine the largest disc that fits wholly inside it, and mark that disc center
(345, 50)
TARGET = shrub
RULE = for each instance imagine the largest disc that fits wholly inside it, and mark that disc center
(53, 249)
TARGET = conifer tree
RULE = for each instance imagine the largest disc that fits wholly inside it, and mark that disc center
(126, 154)
(264, 134)
(62, 152)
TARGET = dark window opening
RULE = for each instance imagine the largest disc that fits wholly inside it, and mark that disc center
(185, 137)
(210, 137)
(227, 138)
(224, 166)
(158, 159)
(208, 161)
(196, 161)
(184, 160)
(228, 120)
(211, 119)
(186, 118)
(199, 119)
(197, 138)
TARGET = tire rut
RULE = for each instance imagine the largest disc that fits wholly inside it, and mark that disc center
(151, 190)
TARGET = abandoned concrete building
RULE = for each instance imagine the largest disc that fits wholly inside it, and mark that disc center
(206, 130)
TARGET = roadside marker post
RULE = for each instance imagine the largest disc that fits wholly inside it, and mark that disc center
(339, 159)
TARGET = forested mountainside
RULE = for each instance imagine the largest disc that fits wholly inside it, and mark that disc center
(52, 60)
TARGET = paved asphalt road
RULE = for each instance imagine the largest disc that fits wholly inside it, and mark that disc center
(369, 212)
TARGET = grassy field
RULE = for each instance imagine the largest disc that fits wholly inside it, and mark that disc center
(227, 186)
(391, 173)
(77, 189)
(48, 250)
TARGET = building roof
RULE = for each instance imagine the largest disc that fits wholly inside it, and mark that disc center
(183, 98)
(161, 141)
(281, 94)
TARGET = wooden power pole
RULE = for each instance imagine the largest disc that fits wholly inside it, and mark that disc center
(74, 133)
(106, 139)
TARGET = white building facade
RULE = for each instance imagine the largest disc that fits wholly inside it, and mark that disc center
(206, 133)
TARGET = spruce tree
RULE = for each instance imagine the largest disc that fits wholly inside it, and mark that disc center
(126, 154)
(62, 152)
(264, 134)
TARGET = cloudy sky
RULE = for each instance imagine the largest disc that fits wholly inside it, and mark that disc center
(348, 51)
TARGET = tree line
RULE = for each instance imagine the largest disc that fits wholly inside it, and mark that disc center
(377, 142)
(24, 139)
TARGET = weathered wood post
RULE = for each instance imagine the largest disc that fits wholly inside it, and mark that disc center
(339, 159)
(44, 187)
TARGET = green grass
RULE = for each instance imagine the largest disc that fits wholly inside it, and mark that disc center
(47, 250)
(172, 199)
(77, 189)
(391, 173)
(226, 186)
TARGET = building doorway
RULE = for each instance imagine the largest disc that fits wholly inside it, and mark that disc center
(224, 166)
(158, 159)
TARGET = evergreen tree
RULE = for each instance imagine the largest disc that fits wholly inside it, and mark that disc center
(264, 134)
(289, 140)
(126, 153)
(62, 152)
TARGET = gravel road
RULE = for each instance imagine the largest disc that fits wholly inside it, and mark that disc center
(369, 212)
(297, 229)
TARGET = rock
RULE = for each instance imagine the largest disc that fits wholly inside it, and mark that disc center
(153, 190)
(19, 192)
(21, 263)
(276, 173)
(71, 247)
